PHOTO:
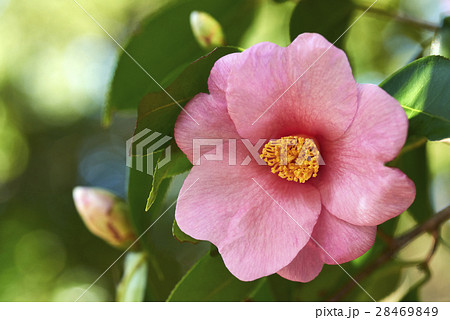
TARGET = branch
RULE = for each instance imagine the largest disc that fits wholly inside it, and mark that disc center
(403, 19)
(431, 225)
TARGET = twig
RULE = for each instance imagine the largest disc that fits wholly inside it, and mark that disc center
(431, 225)
(400, 18)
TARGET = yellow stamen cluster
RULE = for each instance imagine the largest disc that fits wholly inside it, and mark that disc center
(293, 158)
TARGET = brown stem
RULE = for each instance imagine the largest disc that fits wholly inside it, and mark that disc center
(400, 18)
(431, 225)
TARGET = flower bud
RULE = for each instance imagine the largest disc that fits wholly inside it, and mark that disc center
(105, 215)
(207, 30)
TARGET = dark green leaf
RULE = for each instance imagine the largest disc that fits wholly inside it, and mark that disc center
(262, 292)
(165, 45)
(423, 89)
(163, 271)
(379, 284)
(132, 285)
(414, 164)
(282, 288)
(158, 112)
(322, 287)
(389, 227)
(180, 235)
(209, 280)
(330, 18)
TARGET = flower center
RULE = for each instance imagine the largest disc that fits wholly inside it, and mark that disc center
(293, 158)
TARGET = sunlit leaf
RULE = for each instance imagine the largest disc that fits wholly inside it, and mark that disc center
(422, 88)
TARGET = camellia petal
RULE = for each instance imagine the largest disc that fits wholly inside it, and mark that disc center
(354, 184)
(365, 192)
(379, 129)
(306, 88)
(306, 265)
(339, 241)
(209, 111)
(222, 203)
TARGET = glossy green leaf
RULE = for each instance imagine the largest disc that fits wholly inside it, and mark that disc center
(132, 286)
(178, 164)
(330, 18)
(164, 45)
(414, 164)
(422, 88)
(158, 112)
(180, 235)
(210, 280)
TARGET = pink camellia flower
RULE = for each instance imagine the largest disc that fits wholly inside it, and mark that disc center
(291, 218)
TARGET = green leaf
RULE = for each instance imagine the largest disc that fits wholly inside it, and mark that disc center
(422, 88)
(180, 235)
(164, 45)
(158, 112)
(178, 164)
(414, 164)
(209, 280)
(330, 279)
(163, 270)
(132, 286)
(330, 18)
(262, 292)
(379, 284)
(282, 289)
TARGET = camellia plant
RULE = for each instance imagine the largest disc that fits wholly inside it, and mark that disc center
(294, 180)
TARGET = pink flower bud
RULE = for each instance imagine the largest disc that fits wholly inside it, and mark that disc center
(105, 215)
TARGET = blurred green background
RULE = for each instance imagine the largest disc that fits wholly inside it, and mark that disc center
(55, 68)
